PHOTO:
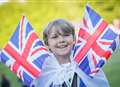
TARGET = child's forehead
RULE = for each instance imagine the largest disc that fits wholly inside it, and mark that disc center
(55, 30)
(58, 30)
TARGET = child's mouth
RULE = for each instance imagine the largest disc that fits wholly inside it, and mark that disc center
(62, 45)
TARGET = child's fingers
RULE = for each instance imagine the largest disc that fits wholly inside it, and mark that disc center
(116, 24)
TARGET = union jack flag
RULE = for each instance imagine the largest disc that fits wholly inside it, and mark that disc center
(25, 53)
(96, 42)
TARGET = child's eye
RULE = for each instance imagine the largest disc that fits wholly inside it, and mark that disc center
(66, 34)
(54, 36)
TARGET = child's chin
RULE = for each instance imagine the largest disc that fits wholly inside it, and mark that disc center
(63, 53)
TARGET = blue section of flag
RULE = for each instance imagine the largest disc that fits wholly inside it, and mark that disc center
(95, 18)
(15, 38)
(38, 43)
(101, 63)
(109, 35)
(39, 61)
(29, 29)
(113, 45)
(27, 78)
(84, 65)
(4, 58)
(76, 47)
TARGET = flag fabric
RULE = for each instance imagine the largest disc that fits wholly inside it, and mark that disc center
(96, 42)
(25, 54)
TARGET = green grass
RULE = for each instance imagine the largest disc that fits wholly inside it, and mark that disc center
(112, 69)
(11, 76)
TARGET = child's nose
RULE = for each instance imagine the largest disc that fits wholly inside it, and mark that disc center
(61, 39)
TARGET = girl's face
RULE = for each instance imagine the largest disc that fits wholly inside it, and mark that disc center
(60, 43)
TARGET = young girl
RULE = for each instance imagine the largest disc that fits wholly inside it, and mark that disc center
(60, 70)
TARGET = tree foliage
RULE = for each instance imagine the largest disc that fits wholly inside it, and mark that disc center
(39, 13)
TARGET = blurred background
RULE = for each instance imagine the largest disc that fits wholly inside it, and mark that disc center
(41, 12)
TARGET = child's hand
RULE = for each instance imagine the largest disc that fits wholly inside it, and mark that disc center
(116, 24)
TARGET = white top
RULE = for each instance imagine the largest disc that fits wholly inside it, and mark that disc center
(55, 73)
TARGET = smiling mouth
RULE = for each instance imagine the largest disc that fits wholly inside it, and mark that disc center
(62, 46)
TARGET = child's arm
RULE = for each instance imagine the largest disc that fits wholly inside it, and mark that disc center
(116, 24)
